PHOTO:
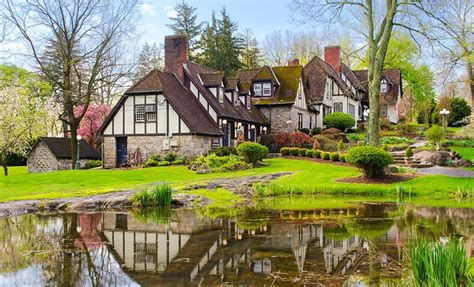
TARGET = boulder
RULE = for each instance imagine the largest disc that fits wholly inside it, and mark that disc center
(440, 158)
(333, 131)
(462, 163)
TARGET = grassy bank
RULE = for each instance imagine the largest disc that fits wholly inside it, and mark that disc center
(308, 178)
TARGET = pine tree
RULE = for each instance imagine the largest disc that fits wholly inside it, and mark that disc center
(185, 24)
(151, 57)
(209, 44)
(250, 53)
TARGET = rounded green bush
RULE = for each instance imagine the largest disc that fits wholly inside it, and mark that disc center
(252, 152)
(371, 160)
(339, 120)
(294, 151)
(325, 155)
(285, 151)
(334, 156)
(309, 153)
(164, 163)
(342, 157)
(302, 151)
(316, 153)
(408, 152)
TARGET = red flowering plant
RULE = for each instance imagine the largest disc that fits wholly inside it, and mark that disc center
(91, 123)
(296, 139)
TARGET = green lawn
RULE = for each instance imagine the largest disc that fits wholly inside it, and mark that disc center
(308, 177)
(464, 152)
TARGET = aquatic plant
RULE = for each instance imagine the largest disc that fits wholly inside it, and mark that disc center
(463, 192)
(160, 195)
(439, 264)
(158, 215)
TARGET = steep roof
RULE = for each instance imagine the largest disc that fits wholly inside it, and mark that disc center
(246, 76)
(352, 77)
(227, 108)
(61, 148)
(212, 79)
(185, 104)
(289, 78)
(393, 76)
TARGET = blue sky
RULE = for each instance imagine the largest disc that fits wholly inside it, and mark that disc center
(262, 16)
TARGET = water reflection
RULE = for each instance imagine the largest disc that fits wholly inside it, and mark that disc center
(357, 246)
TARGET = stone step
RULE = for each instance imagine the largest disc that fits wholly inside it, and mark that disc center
(419, 165)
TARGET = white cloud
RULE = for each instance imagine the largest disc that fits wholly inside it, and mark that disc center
(170, 12)
(147, 9)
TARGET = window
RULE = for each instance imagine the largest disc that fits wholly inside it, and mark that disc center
(262, 89)
(267, 89)
(383, 86)
(248, 102)
(310, 122)
(220, 95)
(351, 109)
(145, 113)
(338, 107)
(300, 121)
(383, 111)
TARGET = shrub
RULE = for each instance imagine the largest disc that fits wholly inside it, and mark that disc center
(384, 124)
(331, 131)
(151, 163)
(371, 160)
(161, 195)
(325, 155)
(93, 164)
(179, 161)
(155, 157)
(385, 147)
(339, 120)
(315, 131)
(213, 163)
(302, 152)
(316, 145)
(316, 153)
(296, 139)
(342, 157)
(309, 153)
(340, 145)
(269, 140)
(406, 128)
(324, 142)
(408, 152)
(252, 152)
(305, 131)
(334, 156)
(164, 163)
(170, 156)
(285, 151)
(460, 110)
(294, 151)
(224, 151)
(435, 134)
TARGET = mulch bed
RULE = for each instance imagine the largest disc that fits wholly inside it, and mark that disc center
(319, 160)
(387, 179)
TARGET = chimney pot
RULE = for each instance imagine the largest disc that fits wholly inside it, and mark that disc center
(176, 54)
(332, 56)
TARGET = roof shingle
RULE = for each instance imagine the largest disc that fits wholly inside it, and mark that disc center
(61, 148)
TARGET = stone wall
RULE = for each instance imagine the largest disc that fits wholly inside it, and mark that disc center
(184, 145)
(280, 115)
(41, 159)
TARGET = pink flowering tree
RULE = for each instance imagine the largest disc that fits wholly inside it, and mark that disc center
(91, 123)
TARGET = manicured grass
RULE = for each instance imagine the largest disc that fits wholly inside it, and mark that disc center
(15, 170)
(464, 152)
(308, 177)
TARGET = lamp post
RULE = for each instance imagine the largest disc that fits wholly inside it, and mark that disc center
(264, 130)
(78, 164)
(226, 137)
(366, 116)
(254, 132)
(444, 114)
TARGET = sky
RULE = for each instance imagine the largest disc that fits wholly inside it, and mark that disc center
(262, 16)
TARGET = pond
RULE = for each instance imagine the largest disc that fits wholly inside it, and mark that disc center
(357, 245)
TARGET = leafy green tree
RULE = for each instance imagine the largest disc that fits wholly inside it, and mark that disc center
(22, 111)
(185, 23)
(460, 109)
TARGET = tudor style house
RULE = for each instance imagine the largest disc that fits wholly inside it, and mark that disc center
(189, 108)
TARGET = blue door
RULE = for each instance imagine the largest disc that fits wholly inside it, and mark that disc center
(121, 151)
(225, 142)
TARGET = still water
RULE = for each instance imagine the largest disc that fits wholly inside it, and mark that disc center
(359, 245)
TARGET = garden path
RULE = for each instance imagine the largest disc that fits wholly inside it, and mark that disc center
(448, 171)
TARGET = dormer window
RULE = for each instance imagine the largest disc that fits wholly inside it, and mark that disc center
(236, 99)
(263, 89)
(248, 102)
(383, 86)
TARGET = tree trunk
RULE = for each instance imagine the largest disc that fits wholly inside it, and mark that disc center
(73, 127)
(5, 168)
(470, 84)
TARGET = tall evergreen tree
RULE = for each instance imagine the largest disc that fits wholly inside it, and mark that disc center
(221, 47)
(150, 57)
(250, 53)
(185, 23)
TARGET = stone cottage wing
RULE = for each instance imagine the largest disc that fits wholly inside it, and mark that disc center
(61, 148)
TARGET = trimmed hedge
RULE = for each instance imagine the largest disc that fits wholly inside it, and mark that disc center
(285, 151)
(339, 120)
(317, 153)
(334, 156)
(252, 152)
(309, 153)
(294, 151)
(302, 152)
(325, 155)
(371, 160)
(342, 157)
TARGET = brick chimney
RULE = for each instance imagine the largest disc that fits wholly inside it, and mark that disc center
(332, 56)
(292, 61)
(176, 54)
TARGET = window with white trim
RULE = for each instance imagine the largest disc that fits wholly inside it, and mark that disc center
(383, 86)
(351, 109)
(338, 107)
(145, 113)
(248, 102)
(257, 90)
(383, 110)
(262, 89)
(267, 89)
